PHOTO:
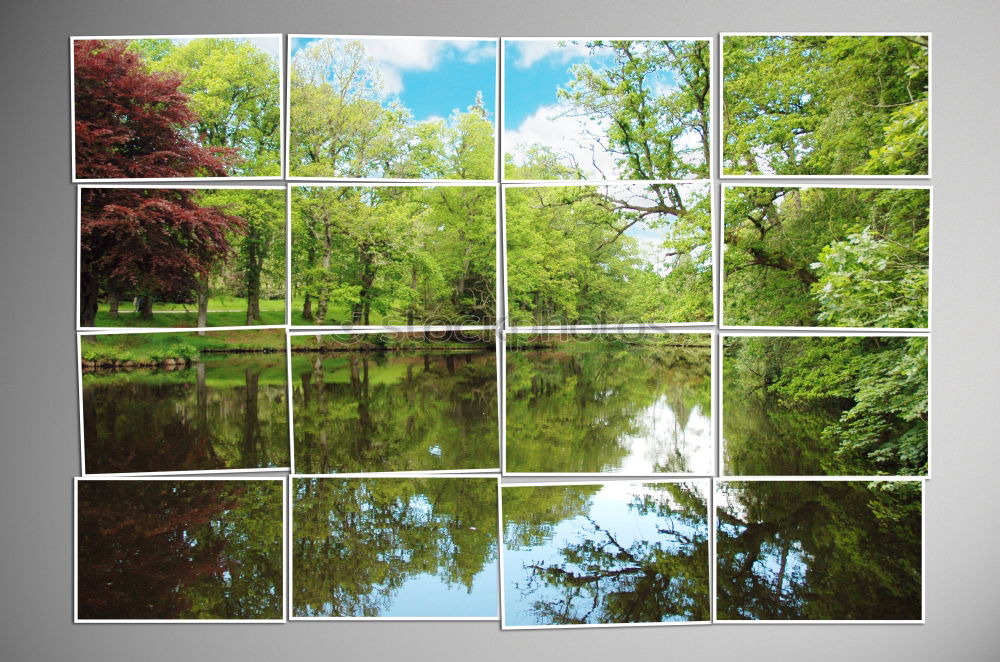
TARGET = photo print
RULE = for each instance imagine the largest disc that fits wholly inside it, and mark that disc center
(392, 107)
(607, 109)
(181, 257)
(184, 402)
(632, 404)
(180, 550)
(385, 402)
(804, 551)
(158, 108)
(414, 548)
(826, 105)
(617, 553)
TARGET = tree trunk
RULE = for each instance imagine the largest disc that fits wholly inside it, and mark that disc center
(253, 292)
(413, 286)
(203, 306)
(88, 301)
(307, 308)
(146, 307)
(251, 419)
(113, 306)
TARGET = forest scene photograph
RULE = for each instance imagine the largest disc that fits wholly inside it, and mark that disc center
(610, 254)
(392, 108)
(394, 255)
(412, 547)
(607, 109)
(181, 257)
(194, 549)
(819, 550)
(631, 404)
(825, 406)
(395, 402)
(177, 107)
(831, 105)
(826, 257)
(158, 402)
(611, 553)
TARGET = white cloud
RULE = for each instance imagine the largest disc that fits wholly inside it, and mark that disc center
(476, 51)
(529, 52)
(572, 137)
(394, 56)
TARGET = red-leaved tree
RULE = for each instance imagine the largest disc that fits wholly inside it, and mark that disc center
(152, 243)
(131, 122)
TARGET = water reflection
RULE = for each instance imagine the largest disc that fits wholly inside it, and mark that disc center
(224, 412)
(819, 550)
(597, 406)
(615, 553)
(180, 549)
(394, 547)
(395, 411)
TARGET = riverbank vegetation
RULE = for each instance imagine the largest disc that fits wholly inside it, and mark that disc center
(855, 257)
(826, 105)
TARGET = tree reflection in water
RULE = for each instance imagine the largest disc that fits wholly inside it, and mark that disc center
(394, 547)
(180, 549)
(809, 550)
(618, 553)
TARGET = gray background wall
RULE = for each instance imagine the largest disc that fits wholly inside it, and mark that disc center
(38, 392)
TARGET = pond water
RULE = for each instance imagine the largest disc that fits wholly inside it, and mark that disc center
(616, 553)
(819, 550)
(395, 411)
(598, 407)
(180, 549)
(227, 411)
(394, 547)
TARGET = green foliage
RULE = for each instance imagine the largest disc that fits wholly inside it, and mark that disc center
(597, 255)
(358, 542)
(233, 87)
(815, 105)
(819, 550)
(424, 255)
(854, 405)
(340, 126)
(652, 97)
(826, 257)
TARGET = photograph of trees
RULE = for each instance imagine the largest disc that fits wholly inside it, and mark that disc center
(394, 547)
(819, 550)
(157, 402)
(177, 257)
(393, 255)
(194, 549)
(833, 406)
(825, 105)
(605, 553)
(177, 107)
(614, 254)
(851, 257)
(632, 404)
(607, 109)
(380, 107)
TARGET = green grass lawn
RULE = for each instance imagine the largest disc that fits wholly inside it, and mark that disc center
(157, 346)
(222, 311)
(336, 316)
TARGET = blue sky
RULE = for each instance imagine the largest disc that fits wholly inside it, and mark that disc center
(431, 77)
(533, 71)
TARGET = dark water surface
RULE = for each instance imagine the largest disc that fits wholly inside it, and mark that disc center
(414, 410)
(616, 553)
(599, 407)
(180, 549)
(819, 550)
(394, 547)
(227, 411)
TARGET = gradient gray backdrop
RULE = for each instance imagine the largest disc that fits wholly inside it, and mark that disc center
(38, 392)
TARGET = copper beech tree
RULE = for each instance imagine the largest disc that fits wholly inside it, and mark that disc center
(150, 243)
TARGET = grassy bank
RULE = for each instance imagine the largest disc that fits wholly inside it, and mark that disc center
(222, 311)
(450, 340)
(146, 349)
